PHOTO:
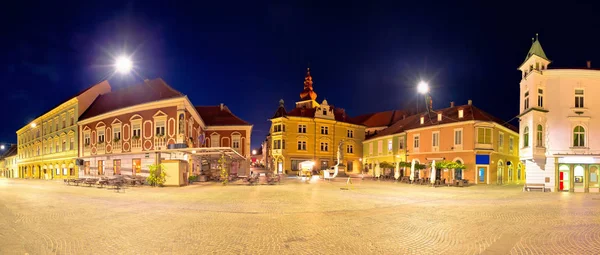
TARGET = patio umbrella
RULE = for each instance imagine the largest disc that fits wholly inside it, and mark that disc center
(432, 172)
(412, 170)
(397, 173)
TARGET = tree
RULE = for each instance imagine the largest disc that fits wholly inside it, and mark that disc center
(386, 165)
(224, 170)
(157, 176)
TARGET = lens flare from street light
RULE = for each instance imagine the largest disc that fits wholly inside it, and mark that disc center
(423, 87)
(123, 64)
(253, 152)
(2, 147)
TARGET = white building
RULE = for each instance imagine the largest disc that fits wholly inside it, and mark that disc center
(559, 124)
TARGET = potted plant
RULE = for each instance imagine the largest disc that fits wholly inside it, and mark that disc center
(135, 137)
(116, 140)
(192, 178)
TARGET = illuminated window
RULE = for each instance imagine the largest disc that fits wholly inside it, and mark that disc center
(484, 135)
(540, 97)
(526, 137)
(526, 101)
(539, 136)
(461, 113)
(579, 98)
(579, 137)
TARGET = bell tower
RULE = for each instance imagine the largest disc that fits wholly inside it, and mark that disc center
(533, 107)
(308, 96)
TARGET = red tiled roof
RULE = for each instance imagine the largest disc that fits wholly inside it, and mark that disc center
(217, 116)
(340, 114)
(449, 115)
(380, 119)
(148, 91)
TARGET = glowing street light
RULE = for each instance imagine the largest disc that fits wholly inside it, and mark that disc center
(423, 87)
(123, 65)
(253, 152)
(33, 125)
(2, 147)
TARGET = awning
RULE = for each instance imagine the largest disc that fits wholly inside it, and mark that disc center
(211, 151)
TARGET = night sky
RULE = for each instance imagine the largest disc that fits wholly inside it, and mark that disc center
(364, 56)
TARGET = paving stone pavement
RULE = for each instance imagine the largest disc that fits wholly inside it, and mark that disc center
(47, 217)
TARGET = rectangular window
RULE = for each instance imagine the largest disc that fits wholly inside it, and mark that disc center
(117, 167)
(71, 119)
(350, 133)
(390, 145)
(116, 133)
(379, 147)
(277, 128)
(461, 113)
(540, 97)
(500, 141)
(101, 136)
(236, 144)
(56, 123)
(137, 131)
(277, 144)
(64, 144)
(100, 167)
(301, 145)
(435, 139)
(401, 143)
(57, 144)
(458, 137)
(64, 120)
(349, 148)
(86, 139)
(416, 143)
(484, 135)
(296, 165)
(71, 171)
(526, 101)
(86, 168)
(371, 148)
(65, 173)
(160, 128)
(302, 129)
(324, 146)
(579, 98)
(57, 171)
(71, 143)
(510, 144)
(136, 164)
(324, 130)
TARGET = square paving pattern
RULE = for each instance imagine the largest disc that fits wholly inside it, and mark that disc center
(367, 217)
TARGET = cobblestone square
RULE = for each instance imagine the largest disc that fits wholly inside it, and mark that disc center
(367, 217)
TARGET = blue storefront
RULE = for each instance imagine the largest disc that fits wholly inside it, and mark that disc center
(482, 168)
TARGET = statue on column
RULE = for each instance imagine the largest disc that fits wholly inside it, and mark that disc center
(339, 158)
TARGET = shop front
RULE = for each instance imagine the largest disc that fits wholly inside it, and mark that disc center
(578, 174)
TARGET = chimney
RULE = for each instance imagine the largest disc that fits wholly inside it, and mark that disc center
(470, 102)
(451, 104)
(589, 64)
(221, 106)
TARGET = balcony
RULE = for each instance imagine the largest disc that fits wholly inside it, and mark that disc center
(116, 146)
(136, 145)
(160, 143)
(100, 148)
(87, 150)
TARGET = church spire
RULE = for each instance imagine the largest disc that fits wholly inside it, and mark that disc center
(308, 93)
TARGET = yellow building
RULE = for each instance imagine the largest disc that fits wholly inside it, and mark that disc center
(314, 132)
(47, 146)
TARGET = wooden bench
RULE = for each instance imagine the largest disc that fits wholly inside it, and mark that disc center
(529, 186)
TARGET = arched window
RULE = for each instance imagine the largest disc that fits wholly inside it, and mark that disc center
(526, 137)
(540, 136)
(578, 137)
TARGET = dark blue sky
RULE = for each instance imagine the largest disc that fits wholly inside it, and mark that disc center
(365, 56)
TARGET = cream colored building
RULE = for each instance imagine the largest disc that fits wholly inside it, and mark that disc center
(559, 122)
(47, 146)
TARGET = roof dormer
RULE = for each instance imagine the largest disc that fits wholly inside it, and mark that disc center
(325, 111)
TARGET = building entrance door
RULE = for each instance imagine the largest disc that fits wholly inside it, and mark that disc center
(481, 175)
(563, 178)
(280, 167)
